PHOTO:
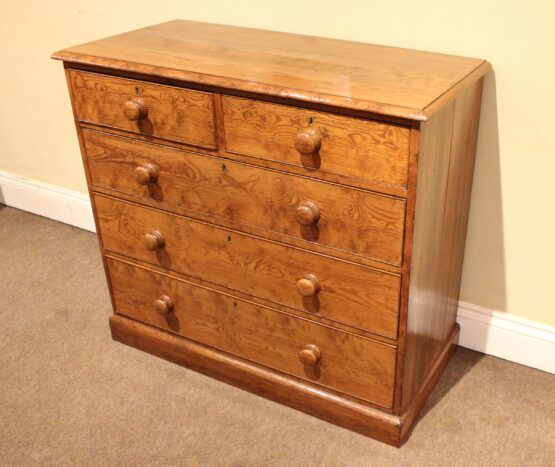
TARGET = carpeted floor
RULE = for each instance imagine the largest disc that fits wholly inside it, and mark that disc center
(69, 395)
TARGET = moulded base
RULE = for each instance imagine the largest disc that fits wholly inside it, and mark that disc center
(319, 402)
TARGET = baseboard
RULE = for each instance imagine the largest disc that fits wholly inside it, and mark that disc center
(492, 332)
(507, 336)
(60, 204)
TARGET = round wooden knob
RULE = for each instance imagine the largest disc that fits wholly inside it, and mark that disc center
(308, 286)
(310, 355)
(154, 241)
(145, 174)
(163, 305)
(308, 141)
(307, 213)
(135, 109)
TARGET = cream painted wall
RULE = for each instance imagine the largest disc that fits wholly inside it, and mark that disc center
(510, 253)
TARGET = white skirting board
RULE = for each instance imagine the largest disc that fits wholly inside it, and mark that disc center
(60, 204)
(507, 336)
(492, 332)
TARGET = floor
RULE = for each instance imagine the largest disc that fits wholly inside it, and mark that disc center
(69, 395)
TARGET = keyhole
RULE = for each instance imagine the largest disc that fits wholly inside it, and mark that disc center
(137, 90)
(234, 304)
(229, 239)
(310, 120)
(224, 168)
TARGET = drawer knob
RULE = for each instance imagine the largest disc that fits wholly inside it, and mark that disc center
(307, 213)
(145, 174)
(154, 241)
(163, 305)
(308, 286)
(308, 141)
(310, 355)
(135, 109)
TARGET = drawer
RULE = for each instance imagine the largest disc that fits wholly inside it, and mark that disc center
(167, 112)
(337, 290)
(336, 144)
(351, 220)
(339, 360)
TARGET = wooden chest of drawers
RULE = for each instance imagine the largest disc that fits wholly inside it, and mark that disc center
(285, 213)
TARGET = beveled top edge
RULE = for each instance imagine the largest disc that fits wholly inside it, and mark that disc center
(248, 86)
(116, 46)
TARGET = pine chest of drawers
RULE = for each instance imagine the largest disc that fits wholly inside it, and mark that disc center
(282, 212)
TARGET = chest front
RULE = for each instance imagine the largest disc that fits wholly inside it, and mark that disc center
(273, 227)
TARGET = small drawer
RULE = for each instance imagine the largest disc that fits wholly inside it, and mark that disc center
(350, 364)
(351, 220)
(314, 284)
(166, 112)
(317, 141)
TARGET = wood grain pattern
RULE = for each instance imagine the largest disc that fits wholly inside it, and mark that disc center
(384, 80)
(356, 221)
(312, 244)
(446, 164)
(295, 392)
(351, 294)
(252, 230)
(315, 317)
(349, 146)
(89, 182)
(370, 185)
(258, 333)
(172, 113)
(407, 262)
(409, 416)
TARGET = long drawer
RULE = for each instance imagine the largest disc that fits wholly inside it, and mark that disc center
(317, 141)
(351, 220)
(337, 290)
(347, 363)
(167, 112)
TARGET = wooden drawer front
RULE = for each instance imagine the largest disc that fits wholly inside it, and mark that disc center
(175, 114)
(348, 293)
(352, 220)
(348, 146)
(354, 365)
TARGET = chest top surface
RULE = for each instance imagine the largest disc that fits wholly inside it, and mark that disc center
(386, 80)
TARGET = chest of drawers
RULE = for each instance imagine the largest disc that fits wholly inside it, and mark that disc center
(282, 212)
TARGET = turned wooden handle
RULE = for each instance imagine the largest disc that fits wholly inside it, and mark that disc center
(135, 109)
(154, 241)
(145, 174)
(308, 141)
(310, 355)
(163, 304)
(307, 213)
(308, 286)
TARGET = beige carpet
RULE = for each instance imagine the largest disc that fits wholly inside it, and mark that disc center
(69, 395)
